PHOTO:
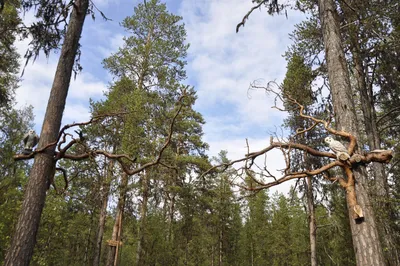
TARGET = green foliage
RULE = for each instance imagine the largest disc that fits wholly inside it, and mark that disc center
(49, 28)
(148, 70)
(297, 82)
(190, 220)
(154, 53)
(65, 233)
(9, 65)
(13, 125)
(334, 243)
(290, 239)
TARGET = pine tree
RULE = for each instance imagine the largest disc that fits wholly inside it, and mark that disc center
(148, 70)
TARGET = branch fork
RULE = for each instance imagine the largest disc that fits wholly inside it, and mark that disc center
(62, 151)
(286, 147)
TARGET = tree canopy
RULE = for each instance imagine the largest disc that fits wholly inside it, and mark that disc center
(136, 185)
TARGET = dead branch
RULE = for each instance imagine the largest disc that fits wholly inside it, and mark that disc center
(393, 110)
(64, 172)
(246, 17)
(291, 145)
(161, 151)
(383, 156)
(62, 152)
(61, 139)
(286, 98)
(341, 181)
(120, 157)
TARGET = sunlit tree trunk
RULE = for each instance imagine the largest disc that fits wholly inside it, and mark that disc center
(366, 242)
(380, 189)
(143, 219)
(117, 228)
(312, 225)
(105, 190)
(43, 169)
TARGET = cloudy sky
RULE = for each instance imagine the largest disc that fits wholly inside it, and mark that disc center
(221, 65)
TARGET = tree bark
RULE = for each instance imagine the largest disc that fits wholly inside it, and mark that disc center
(89, 238)
(171, 209)
(24, 239)
(143, 216)
(116, 234)
(366, 242)
(380, 189)
(312, 225)
(105, 190)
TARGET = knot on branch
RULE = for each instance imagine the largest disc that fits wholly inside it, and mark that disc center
(343, 156)
(379, 156)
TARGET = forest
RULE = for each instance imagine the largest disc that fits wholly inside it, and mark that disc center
(135, 184)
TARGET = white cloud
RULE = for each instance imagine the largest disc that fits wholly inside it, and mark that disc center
(38, 76)
(76, 113)
(36, 85)
(222, 64)
(106, 3)
(86, 86)
(237, 148)
(115, 41)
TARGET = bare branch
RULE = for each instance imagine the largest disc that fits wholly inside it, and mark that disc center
(63, 135)
(160, 153)
(286, 98)
(64, 172)
(62, 152)
(383, 156)
(246, 17)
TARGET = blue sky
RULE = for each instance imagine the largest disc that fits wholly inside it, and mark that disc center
(221, 65)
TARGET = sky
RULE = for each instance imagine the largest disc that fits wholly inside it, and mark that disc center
(221, 65)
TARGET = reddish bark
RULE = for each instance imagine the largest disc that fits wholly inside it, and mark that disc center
(24, 239)
(366, 242)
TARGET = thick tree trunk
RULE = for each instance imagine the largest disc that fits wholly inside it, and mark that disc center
(366, 242)
(105, 190)
(380, 190)
(143, 216)
(367, 104)
(24, 239)
(116, 234)
(312, 225)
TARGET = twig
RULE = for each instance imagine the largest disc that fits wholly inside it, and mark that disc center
(246, 17)
(383, 156)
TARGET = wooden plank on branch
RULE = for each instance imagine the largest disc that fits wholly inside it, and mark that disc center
(114, 243)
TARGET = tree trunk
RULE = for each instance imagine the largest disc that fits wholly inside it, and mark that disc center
(313, 228)
(252, 252)
(116, 234)
(366, 242)
(380, 189)
(171, 208)
(143, 216)
(89, 237)
(105, 190)
(212, 255)
(220, 237)
(24, 239)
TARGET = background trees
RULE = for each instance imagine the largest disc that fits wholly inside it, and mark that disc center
(171, 213)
